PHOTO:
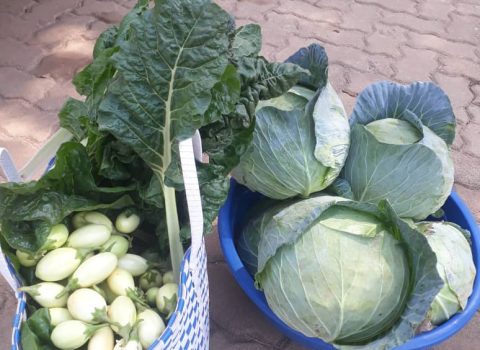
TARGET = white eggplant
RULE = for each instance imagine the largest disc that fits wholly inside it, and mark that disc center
(150, 328)
(120, 282)
(122, 313)
(117, 245)
(102, 339)
(59, 315)
(133, 345)
(46, 294)
(166, 299)
(151, 296)
(109, 294)
(127, 222)
(56, 238)
(91, 217)
(58, 264)
(26, 259)
(93, 271)
(168, 277)
(130, 345)
(135, 264)
(89, 236)
(150, 279)
(72, 334)
(87, 305)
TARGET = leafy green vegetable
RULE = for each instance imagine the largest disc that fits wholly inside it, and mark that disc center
(320, 264)
(315, 59)
(29, 210)
(247, 242)
(455, 266)
(426, 101)
(36, 331)
(301, 138)
(165, 72)
(399, 150)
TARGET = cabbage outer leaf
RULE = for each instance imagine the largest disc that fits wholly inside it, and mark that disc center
(390, 100)
(455, 266)
(416, 179)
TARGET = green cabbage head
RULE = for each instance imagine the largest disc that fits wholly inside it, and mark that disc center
(455, 266)
(343, 271)
(301, 138)
(400, 148)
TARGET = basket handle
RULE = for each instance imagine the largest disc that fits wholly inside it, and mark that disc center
(189, 150)
(11, 174)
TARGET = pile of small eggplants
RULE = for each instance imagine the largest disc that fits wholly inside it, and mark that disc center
(95, 290)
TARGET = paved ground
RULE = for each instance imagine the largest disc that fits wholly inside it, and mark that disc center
(43, 43)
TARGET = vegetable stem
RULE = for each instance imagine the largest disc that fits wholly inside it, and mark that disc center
(173, 227)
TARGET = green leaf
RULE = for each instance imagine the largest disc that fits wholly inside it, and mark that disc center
(225, 95)
(247, 41)
(315, 59)
(71, 116)
(341, 188)
(94, 79)
(35, 332)
(264, 80)
(416, 178)
(105, 41)
(161, 96)
(390, 100)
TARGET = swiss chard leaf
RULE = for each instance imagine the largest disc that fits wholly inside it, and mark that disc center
(29, 210)
(71, 117)
(247, 41)
(161, 95)
(35, 332)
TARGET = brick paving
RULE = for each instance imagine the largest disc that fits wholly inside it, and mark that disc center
(44, 42)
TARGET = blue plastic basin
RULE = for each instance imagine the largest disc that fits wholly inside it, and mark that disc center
(232, 218)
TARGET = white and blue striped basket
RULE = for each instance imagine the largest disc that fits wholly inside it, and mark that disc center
(189, 326)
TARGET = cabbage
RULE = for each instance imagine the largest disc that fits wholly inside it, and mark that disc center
(249, 238)
(350, 273)
(455, 266)
(301, 138)
(399, 148)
